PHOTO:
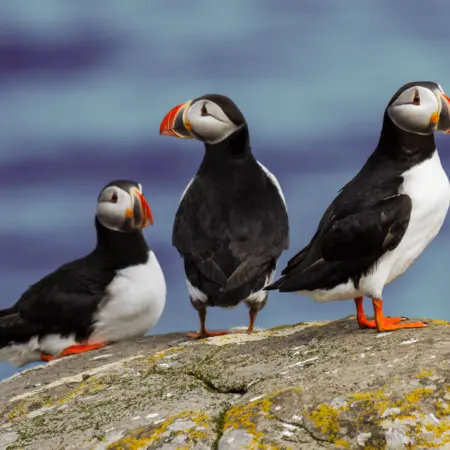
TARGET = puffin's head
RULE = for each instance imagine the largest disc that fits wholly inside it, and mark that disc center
(121, 206)
(420, 107)
(210, 118)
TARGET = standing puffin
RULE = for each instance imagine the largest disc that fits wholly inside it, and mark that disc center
(232, 224)
(384, 218)
(116, 292)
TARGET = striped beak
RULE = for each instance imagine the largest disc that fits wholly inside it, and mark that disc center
(140, 215)
(444, 116)
(175, 122)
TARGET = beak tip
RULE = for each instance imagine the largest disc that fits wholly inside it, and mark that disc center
(163, 132)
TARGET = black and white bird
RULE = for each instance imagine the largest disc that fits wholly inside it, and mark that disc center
(385, 217)
(116, 292)
(232, 224)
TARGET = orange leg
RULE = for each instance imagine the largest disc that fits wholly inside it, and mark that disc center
(204, 333)
(252, 315)
(73, 350)
(364, 322)
(385, 323)
(251, 325)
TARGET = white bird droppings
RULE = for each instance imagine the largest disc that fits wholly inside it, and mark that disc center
(380, 335)
(101, 356)
(302, 363)
(287, 433)
(362, 438)
(409, 341)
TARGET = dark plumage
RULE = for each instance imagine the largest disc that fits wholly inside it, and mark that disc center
(232, 224)
(350, 253)
(63, 306)
(64, 301)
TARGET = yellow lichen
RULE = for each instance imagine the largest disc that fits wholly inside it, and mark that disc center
(418, 394)
(326, 419)
(87, 387)
(244, 416)
(19, 410)
(437, 322)
(159, 355)
(284, 327)
(412, 409)
(144, 437)
(425, 373)
(342, 443)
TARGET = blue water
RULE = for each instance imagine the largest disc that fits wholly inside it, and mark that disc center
(84, 86)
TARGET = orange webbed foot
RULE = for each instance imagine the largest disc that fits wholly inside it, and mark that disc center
(81, 348)
(46, 357)
(73, 350)
(206, 334)
(366, 323)
(387, 324)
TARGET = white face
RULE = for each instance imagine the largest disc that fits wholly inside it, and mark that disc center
(416, 110)
(209, 122)
(112, 207)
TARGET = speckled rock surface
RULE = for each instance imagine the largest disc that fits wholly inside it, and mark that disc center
(308, 386)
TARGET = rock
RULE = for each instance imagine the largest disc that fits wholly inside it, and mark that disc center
(319, 385)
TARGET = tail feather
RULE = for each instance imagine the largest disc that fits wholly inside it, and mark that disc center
(13, 329)
(7, 311)
(18, 340)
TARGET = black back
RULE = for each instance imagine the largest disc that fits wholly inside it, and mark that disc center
(366, 219)
(231, 225)
(64, 301)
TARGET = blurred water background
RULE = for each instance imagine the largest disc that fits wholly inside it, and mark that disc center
(84, 86)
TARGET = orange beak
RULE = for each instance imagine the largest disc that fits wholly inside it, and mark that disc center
(175, 122)
(444, 116)
(141, 213)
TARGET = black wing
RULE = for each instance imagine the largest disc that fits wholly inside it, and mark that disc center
(62, 302)
(229, 241)
(346, 247)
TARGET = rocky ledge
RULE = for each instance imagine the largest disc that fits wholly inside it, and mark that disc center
(320, 385)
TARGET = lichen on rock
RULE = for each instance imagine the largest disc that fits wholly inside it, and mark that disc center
(307, 386)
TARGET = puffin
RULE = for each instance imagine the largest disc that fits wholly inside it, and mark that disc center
(116, 292)
(231, 225)
(384, 218)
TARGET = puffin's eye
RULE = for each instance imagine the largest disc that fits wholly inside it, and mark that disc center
(416, 99)
(204, 111)
(114, 197)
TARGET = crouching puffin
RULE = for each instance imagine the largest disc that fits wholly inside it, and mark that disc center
(232, 224)
(384, 218)
(116, 292)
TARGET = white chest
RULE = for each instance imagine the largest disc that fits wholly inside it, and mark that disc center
(136, 300)
(428, 187)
